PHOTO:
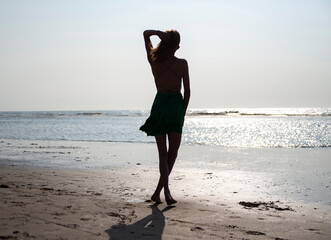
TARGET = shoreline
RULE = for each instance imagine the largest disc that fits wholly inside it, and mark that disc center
(297, 174)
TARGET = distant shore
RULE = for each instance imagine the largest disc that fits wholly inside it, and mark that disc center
(221, 193)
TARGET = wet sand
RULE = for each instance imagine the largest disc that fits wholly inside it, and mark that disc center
(39, 202)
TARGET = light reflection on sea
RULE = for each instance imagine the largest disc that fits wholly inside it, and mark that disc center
(258, 131)
(244, 128)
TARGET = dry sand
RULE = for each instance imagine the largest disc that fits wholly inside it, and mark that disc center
(39, 203)
(85, 190)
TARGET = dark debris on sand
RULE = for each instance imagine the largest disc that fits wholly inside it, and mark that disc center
(264, 206)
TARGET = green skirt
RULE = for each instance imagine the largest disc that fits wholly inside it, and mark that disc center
(167, 115)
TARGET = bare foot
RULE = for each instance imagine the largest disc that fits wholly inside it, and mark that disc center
(156, 199)
(170, 200)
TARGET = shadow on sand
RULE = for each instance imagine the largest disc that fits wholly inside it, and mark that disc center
(150, 227)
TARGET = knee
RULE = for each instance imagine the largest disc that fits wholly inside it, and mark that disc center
(172, 155)
(163, 155)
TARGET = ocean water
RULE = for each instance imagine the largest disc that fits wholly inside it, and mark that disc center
(240, 128)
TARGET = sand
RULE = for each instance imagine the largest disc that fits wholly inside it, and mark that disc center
(39, 202)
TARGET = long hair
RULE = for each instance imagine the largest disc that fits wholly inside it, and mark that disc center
(166, 48)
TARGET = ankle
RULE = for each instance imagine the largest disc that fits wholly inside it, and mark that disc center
(167, 193)
(156, 194)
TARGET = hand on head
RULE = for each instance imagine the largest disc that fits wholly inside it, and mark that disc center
(164, 36)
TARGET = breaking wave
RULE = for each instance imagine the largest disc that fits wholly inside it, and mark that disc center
(265, 112)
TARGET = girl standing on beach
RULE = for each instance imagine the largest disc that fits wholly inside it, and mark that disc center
(168, 110)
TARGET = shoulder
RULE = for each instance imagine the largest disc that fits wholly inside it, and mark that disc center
(182, 61)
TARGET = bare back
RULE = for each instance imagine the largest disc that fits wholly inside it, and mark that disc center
(168, 74)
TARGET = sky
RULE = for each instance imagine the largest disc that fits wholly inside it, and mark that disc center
(90, 55)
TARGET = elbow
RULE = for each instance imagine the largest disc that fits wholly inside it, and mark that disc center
(187, 92)
(187, 95)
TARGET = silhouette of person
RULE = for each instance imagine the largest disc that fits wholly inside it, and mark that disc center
(169, 107)
(149, 227)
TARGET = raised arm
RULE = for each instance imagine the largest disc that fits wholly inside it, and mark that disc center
(148, 43)
(186, 83)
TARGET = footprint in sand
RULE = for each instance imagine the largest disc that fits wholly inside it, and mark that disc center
(25, 235)
(46, 189)
(70, 225)
(222, 204)
(231, 226)
(179, 177)
(58, 214)
(255, 233)
(314, 230)
(197, 229)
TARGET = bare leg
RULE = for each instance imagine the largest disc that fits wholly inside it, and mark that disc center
(161, 143)
(174, 143)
